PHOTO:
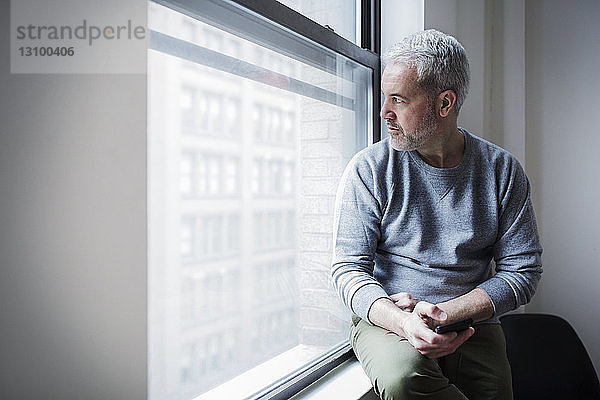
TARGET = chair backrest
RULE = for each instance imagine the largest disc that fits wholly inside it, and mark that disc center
(547, 358)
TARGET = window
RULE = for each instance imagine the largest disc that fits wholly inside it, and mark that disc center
(250, 127)
(340, 16)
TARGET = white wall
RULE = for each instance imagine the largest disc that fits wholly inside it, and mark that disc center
(398, 19)
(73, 241)
(563, 138)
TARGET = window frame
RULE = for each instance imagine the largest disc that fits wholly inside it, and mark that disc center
(369, 56)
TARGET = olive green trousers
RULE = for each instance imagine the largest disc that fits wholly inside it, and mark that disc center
(477, 370)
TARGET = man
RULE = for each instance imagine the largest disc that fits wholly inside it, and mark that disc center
(419, 218)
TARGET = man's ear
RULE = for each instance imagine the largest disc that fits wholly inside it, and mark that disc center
(446, 102)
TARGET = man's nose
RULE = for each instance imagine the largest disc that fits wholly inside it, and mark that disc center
(386, 112)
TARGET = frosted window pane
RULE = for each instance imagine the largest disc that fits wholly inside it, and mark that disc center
(243, 172)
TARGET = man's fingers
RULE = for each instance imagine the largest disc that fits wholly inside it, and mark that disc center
(402, 297)
(442, 345)
(404, 300)
(430, 311)
(464, 335)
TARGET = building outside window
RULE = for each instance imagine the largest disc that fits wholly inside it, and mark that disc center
(247, 143)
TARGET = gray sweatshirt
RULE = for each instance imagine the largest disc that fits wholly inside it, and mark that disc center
(402, 225)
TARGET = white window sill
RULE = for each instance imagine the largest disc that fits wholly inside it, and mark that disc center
(347, 381)
(263, 374)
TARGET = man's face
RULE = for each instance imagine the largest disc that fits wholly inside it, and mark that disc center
(408, 110)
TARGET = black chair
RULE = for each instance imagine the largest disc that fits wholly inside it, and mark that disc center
(547, 359)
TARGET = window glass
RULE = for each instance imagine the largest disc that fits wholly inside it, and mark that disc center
(339, 15)
(246, 148)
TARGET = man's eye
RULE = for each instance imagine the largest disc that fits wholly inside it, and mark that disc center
(397, 100)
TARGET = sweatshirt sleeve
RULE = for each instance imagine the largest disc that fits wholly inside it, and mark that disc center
(357, 220)
(517, 251)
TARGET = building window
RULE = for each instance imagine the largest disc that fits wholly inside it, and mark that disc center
(250, 128)
(187, 174)
(339, 15)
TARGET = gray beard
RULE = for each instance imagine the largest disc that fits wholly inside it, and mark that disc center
(413, 140)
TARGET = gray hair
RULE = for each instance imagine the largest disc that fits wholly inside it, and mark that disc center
(440, 60)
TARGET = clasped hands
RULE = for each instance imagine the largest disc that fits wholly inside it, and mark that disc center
(418, 327)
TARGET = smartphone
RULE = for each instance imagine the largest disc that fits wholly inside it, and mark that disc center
(454, 326)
